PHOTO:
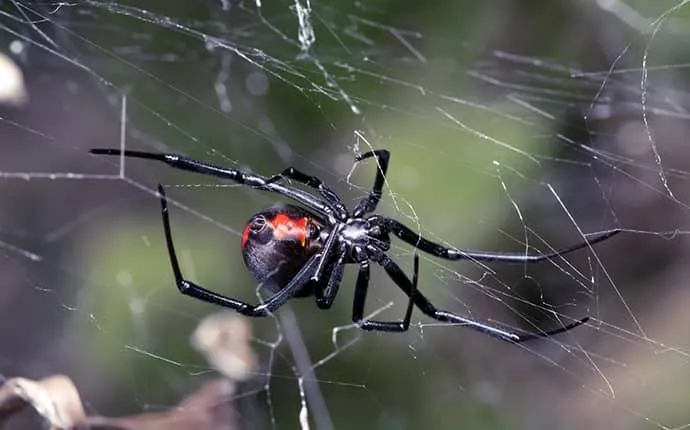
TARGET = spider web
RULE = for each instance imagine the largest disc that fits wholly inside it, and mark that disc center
(513, 127)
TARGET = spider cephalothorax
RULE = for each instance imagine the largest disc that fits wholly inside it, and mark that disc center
(298, 252)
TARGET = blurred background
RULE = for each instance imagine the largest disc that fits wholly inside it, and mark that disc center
(516, 126)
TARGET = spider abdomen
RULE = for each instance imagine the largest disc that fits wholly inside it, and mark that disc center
(276, 243)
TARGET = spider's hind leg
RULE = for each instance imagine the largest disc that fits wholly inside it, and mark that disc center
(189, 288)
(313, 182)
(326, 293)
(361, 295)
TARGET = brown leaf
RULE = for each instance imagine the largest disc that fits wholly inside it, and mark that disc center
(55, 398)
(209, 408)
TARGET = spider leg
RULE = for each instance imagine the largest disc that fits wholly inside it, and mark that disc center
(326, 251)
(326, 296)
(252, 180)
(401, 280)
(361, 295)
(406, 234)
(369, 203)
(191, 289)
(316, 183)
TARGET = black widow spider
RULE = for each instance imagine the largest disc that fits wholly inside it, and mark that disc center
(297, 252)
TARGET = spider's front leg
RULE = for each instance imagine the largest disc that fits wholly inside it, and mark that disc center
(410, 288)
(369, 203)
(408, 235)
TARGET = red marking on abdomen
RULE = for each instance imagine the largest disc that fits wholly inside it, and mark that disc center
(287, 227)
(245, 234)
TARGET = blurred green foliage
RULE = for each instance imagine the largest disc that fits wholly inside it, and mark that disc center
(446, 176)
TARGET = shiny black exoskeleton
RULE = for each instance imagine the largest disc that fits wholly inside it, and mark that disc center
(295, 252)
(277, 242)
